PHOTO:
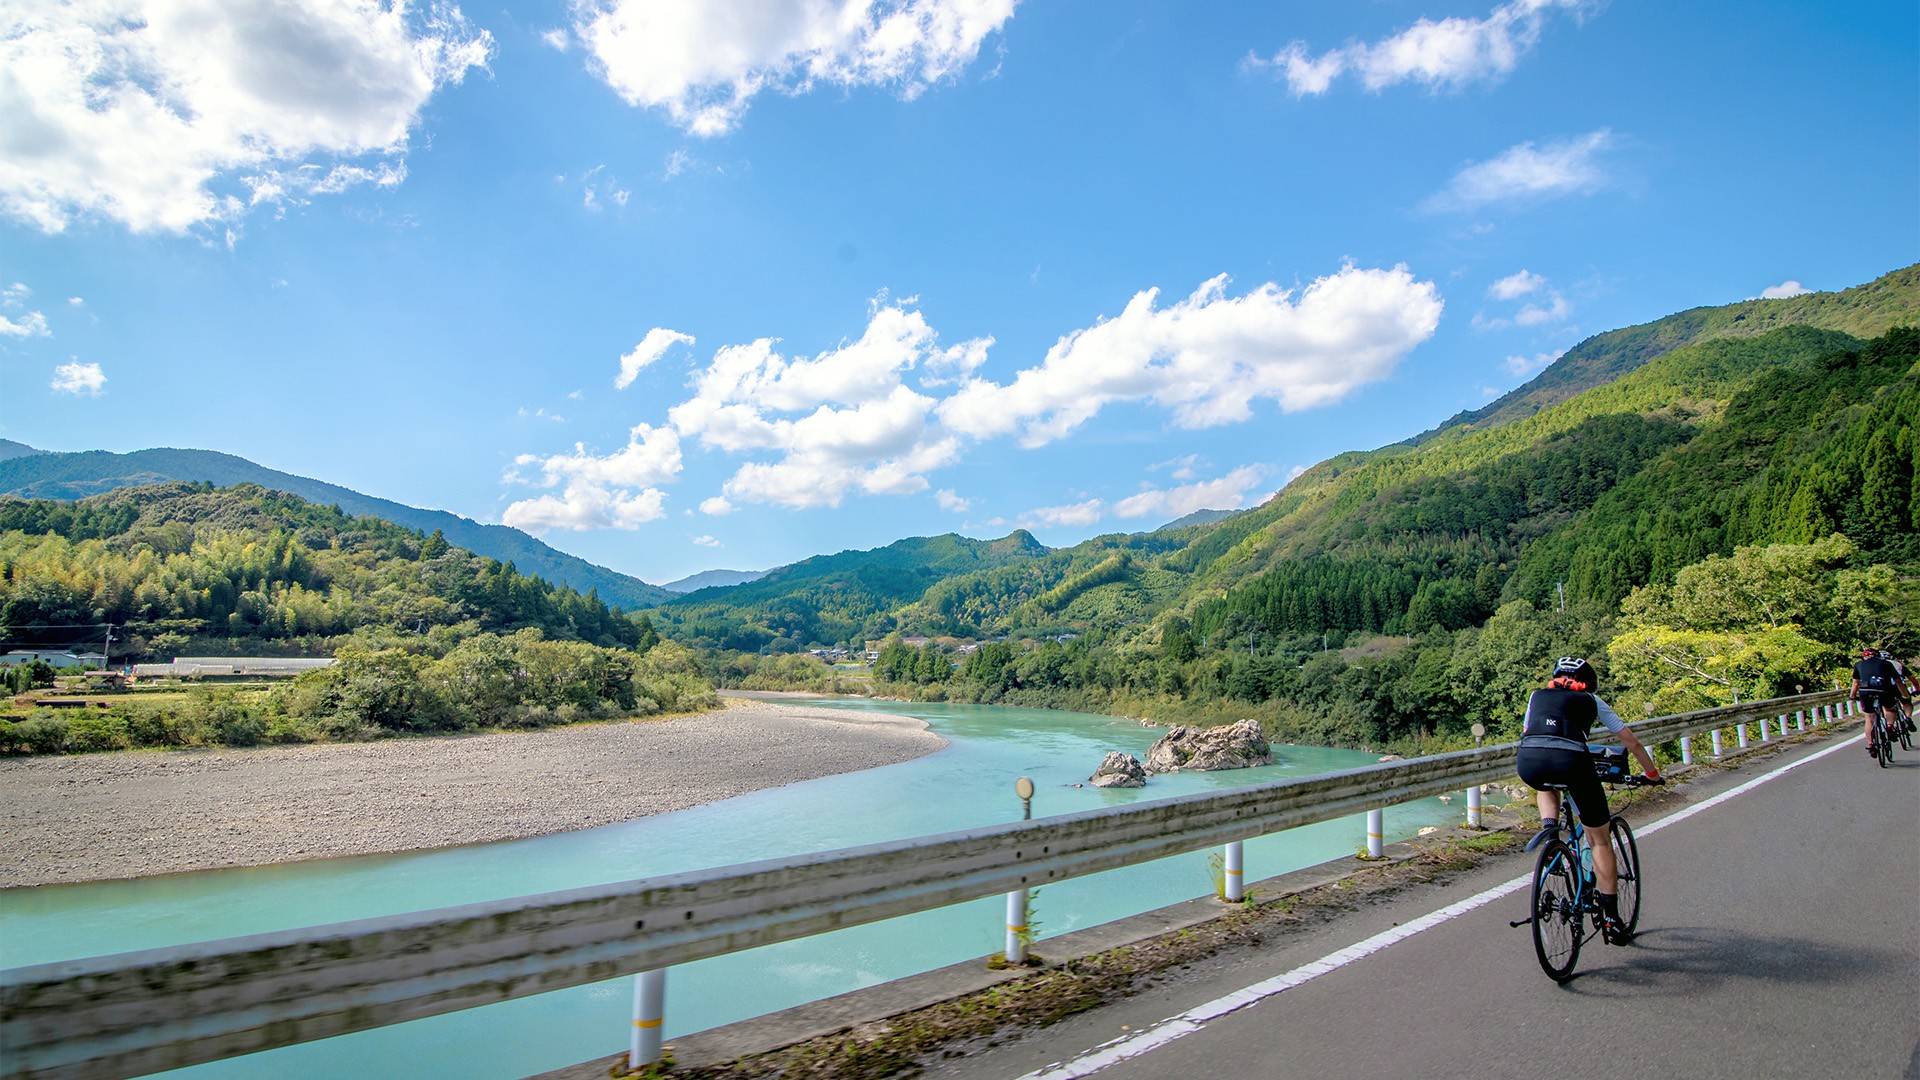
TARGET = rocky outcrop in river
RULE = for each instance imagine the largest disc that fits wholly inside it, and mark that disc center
(1230, 746)
(1119, 770)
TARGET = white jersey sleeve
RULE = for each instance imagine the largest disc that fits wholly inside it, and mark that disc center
(1608, 718)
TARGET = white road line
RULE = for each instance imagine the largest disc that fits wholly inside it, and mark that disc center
(1174, 1027)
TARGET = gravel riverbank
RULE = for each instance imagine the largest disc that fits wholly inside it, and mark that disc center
(133, 813)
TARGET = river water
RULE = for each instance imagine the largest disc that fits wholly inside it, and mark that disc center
(965, 785)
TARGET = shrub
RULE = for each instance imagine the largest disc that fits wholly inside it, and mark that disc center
(92, 732)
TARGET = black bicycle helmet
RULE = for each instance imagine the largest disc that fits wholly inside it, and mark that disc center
(1575, 669)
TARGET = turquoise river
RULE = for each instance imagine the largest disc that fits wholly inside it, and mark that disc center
(967, 784)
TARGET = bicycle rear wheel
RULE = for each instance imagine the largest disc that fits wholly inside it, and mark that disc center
(1886, 744)
(1906, 737)
(1557, 929)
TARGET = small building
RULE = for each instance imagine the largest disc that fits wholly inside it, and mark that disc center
(215, 667)
(59, 658)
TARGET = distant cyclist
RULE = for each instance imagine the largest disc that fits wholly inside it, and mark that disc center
(1877, 685)
(1553, 750)
(1906, 685)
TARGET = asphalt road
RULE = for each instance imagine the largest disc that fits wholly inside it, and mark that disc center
(1779, 936)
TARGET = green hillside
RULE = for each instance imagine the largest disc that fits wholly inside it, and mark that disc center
(1867, 310)
(31, 474)
(249, 569)
(831, 599)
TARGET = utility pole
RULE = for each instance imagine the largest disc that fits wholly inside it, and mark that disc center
(1562, 586)
(106, 653)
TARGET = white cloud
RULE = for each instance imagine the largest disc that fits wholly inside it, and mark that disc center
(76, 301)
(1514, 286)
(556, 39)
(1076, 514)
(952, 502)
(599, 190)
(703, 61)
(677, 162)
(1447, 54)
(1526, 173)
(1550, 307)
(657, 342)
(586, 505)
(1208, 357)
(1784, 290)
(32, 324)
(1555, 309)
(878, 414)
(1228, 492)
(1528, 366)
(718, 506)
(165, 115)
(706, 541)
(78, 378)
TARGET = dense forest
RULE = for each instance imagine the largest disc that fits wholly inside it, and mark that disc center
(246, 569)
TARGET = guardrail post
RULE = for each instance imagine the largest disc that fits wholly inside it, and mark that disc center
(1376, 834)
(1017, 926)
(1764, 725)
(1783, 725)
(1741, 732)
(1231, 889)
(649, 1013)
(1800, 720)
(1473, 807)
(1716, 742)
(1686, 749)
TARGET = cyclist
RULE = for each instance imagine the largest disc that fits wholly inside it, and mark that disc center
(1904, 682)
(1876, 686)
(1553, 750)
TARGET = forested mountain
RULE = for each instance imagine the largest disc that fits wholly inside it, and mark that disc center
(32, 474)
(834, 598)
(250, 568)
(1867, 310)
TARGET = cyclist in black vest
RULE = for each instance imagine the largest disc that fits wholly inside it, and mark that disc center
(1876, 685)
(1553, 750)
(1904, 681)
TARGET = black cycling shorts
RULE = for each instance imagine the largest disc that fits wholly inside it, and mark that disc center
(1542, 765)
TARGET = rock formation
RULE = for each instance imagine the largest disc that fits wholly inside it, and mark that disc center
(1230, 746)
(1119, 770)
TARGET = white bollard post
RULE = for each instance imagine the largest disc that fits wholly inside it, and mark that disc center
(1686, 749)
(1741, 732)
(1376, 834)
(1017, 926)
(1473, 807)
(1716, 742)
(649, 1013)
(1232, 891)
(1783, 725)
(1763, 729)
(1800, 720)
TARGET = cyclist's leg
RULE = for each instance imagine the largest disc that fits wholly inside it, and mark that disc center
(1870, 710)
(1606, 869)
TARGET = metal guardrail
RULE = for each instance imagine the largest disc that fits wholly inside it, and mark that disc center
(139, 1012)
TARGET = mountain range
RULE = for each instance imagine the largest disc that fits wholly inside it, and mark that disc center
(28, 473)
(1439, 529)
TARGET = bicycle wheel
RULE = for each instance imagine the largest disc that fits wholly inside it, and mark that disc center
(1906, 737)
(1626, 856)
(1886, 745)
(1557, 929)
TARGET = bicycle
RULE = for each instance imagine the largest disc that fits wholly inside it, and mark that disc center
(1889, 727)
(1565, 895)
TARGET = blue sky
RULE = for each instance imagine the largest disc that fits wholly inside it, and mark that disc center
(681, 285)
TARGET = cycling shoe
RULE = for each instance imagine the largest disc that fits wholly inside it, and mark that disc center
(1613, 931)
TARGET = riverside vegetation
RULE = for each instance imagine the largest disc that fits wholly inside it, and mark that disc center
(1719, 503)
(426, 637)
